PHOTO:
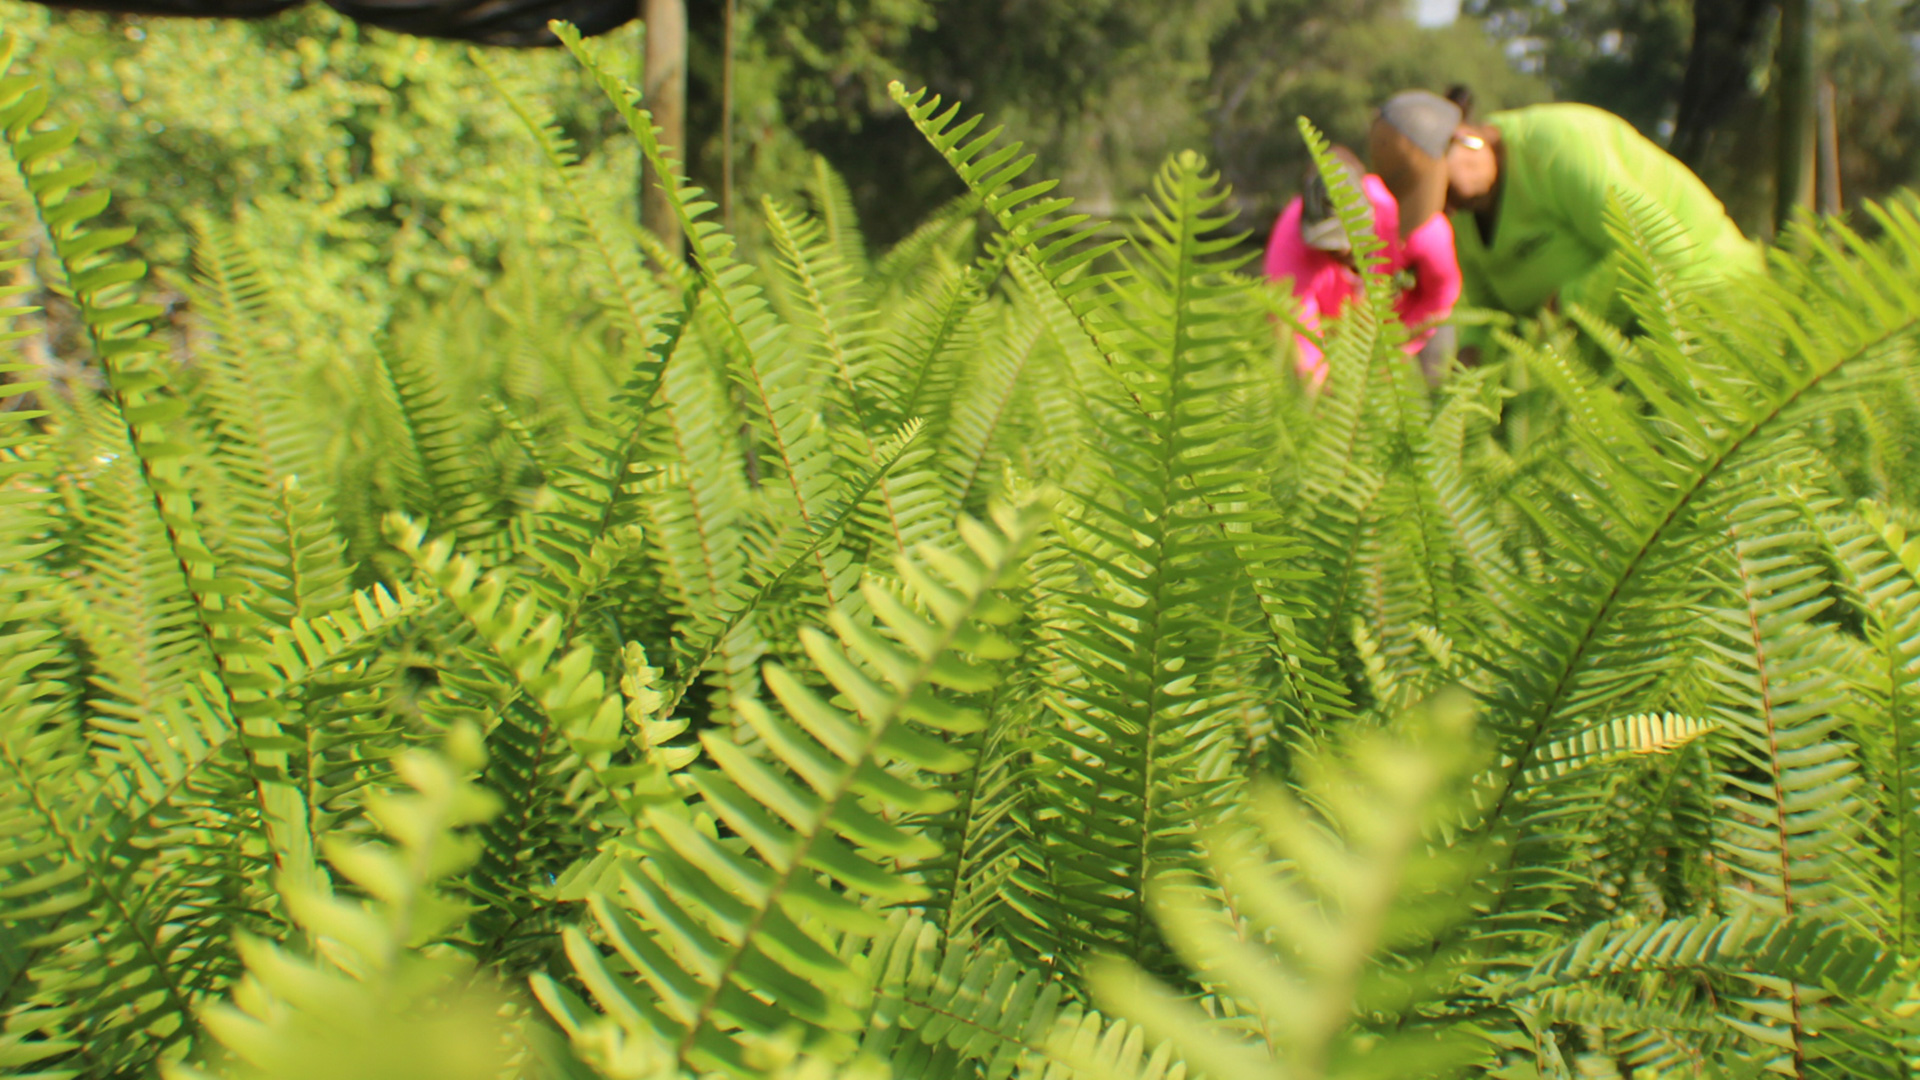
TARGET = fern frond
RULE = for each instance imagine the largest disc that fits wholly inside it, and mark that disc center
(708, 928)
(1300, 915)
(841, 326)
(635, 303)
(833, 205)
(435, 475)
(539, 703)
(259, 441)
(597, 484)
(981, 415)
(38, 748)
(1789, 784)
(1843, 975)
(698, 512)
(1643, 734)
(1880, 570)
(1162, 613)
(117, 325)
(1061, 246)
(940, 1004)
(944, 238)
(372, 995)
(796, 554)
(1625, 519)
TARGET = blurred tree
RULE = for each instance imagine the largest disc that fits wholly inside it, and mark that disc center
(1793, 111)
(811, 75)
(1871, 50)
(1732, 41)
(390, 149)
(1626, 56)
(1704, 76)
(1104, 89)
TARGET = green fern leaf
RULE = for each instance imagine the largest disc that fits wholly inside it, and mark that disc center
(701, 928)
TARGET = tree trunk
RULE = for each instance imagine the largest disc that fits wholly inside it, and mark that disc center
(1726, 48)
(1795, 102)
(665, 88)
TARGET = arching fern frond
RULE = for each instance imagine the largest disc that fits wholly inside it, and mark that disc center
(214, 753)
(1625, 517)
(1157, 631)
(702, 930)
(1879, 568)
(1301, 914)
(634, 302)
(537, 702)
(1061, 245)
(376, 993)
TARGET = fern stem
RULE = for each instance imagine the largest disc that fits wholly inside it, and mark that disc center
(952, 625)
(1899, 719)
(124, 916)
(1540, 718)
(1783, 835)
(715, 641)
(1169, 423)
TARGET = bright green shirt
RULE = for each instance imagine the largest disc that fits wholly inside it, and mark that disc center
(1550, 235)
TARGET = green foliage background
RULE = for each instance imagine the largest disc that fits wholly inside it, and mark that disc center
(968, 656)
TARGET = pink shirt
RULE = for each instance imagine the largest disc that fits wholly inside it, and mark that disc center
(1324, 285)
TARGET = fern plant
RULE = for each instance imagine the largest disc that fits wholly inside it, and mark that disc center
(976, 658)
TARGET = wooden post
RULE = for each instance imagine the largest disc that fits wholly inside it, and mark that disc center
(1829, 150)
(665, 86)
(726, 117)
(1796, 109)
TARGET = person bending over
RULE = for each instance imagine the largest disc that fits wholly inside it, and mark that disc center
(1527, 193)
(1310, 249)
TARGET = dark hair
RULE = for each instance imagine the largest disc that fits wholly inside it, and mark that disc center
(1316, 201)
(1314, 187)
(1460, 94)
(1348, 158)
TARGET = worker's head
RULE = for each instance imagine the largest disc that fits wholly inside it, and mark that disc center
(1319, 225)
(1412, 147)
(1473, 168)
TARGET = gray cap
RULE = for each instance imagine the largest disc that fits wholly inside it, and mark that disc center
(1427, 120)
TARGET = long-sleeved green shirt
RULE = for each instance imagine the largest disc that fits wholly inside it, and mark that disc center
(1549, 233)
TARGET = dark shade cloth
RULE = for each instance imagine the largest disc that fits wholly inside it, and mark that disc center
(486, 22)
(218, 9)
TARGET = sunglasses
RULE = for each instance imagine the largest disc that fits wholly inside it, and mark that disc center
(1471, 142)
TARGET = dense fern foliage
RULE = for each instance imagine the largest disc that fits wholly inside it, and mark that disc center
(971, 659)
